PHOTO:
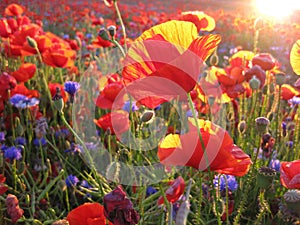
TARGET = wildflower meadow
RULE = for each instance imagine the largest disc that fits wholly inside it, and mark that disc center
(119, 112)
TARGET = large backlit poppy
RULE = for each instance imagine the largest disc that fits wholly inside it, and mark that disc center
(202, 21)
(165, 61)
(290, 174)
(295, 57)
(25, 72)
(88, 214)
(222, 155)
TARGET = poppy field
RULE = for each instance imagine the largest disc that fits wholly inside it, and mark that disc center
(152, 112)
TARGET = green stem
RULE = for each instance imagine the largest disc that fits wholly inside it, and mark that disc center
(122, 25)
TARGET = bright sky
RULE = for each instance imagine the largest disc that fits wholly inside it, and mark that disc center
(277, 8)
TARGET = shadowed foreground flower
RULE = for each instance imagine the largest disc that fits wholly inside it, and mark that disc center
(3, 188)
(174, 192)
(290, 174)
(13, 208)
(221, 154)
(119, 209)
(87, 214)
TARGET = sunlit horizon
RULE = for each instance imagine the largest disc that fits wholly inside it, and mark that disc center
(277, 9)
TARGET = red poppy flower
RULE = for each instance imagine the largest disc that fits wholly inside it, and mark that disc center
(165, 62)
(101, 43)
(7, 82)
(265, 60)
(117, 122)
(202, 21)
(23, 90)
(3, 188)
(109, 96)
(221, 155)
(258, 72)
(25, 72)
(13, 10)
(174, 192)
(5, 29)
(295, 57)
(87, 214)
(59, 56)
(52, 88)
(290, 174)
(288, 92)
(18, 45)
(119, 209)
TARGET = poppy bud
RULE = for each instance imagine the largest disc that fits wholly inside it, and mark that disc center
(58, 100)
(265, 177)
(112, 31)
(261, 124)
(31, 42)
(19, 127)
(103, 34)
(254, 83)
(292, 199)
(147, 116)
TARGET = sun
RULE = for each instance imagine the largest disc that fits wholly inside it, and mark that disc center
(278, 9)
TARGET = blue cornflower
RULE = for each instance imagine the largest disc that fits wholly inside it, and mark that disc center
(71, 87)
(63, 132)
(231, 182)
(289, 144)
(85, 184)
(22, 102)
(20, 141)
(75, 148)
(189, 113)
(2, 136)
(39, 141)
(150, 191)
(126, 106)
(66, 36)
(275, 164)
(71, 181)
(295, 100)
(89, 36)
(12, 153)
